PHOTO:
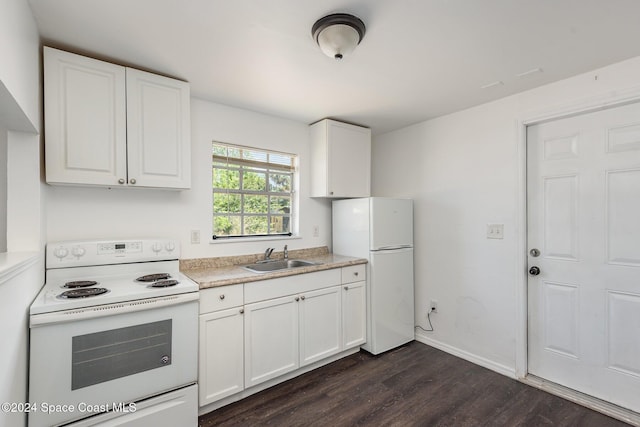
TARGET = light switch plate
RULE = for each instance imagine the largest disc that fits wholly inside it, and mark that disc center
(495, 231)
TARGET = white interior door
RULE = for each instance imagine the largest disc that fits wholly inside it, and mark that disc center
(584, 218)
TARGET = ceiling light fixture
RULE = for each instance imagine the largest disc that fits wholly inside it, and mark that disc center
(338, 34)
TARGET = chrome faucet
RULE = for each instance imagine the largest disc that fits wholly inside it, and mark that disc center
(286, 252)
(267, 254)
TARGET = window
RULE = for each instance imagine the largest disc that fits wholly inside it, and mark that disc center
(252, 191)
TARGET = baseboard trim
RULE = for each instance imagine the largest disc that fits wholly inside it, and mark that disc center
(609, 409)
(473, 358)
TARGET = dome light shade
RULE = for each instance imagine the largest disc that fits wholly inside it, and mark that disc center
(338, 34)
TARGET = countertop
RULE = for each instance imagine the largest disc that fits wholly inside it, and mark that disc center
(214, 272)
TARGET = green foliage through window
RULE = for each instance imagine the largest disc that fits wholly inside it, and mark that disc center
(252, 191)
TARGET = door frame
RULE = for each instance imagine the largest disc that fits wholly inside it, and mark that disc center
(575, 107)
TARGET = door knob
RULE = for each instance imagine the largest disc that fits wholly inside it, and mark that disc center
(534, 271)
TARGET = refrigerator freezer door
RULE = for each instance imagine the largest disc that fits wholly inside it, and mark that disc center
(351, 227)
(391, 309)
(391, 223)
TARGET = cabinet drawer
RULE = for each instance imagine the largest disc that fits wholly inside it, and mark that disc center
(290, 285)
(354, 273)
(220, 298)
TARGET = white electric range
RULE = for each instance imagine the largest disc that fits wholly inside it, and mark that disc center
(114, 336)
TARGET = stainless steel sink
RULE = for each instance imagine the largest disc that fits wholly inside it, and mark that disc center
(264, 267)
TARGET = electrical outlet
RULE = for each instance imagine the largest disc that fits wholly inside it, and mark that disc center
(434, 306)
(195, 237)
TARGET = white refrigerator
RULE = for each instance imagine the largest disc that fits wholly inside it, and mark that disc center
(380, 229)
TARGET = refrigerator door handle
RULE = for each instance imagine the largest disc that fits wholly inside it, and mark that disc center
(390, 248)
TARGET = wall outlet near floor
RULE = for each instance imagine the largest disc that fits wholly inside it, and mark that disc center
(316, 231)
(433, 307)
(495, 231)
(195, 237)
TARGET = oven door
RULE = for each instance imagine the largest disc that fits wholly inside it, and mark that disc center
(101, 358)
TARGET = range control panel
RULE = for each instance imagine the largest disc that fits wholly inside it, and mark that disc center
(90, 252)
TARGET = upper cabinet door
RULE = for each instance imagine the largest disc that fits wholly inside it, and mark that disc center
(85, 113)
(158, 125)
(340, 160)
(349, 164)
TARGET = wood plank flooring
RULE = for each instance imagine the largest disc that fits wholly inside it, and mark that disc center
(413, 385)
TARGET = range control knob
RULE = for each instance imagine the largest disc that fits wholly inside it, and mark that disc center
(170, 246)
(61, 252)
(157, 247)
(78, 251)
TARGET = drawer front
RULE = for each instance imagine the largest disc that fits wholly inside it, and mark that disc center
(290, 285)
(354, 273)
(220, 298)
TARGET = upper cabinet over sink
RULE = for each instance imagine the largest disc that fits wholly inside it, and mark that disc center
(109, 125)
(340, 160)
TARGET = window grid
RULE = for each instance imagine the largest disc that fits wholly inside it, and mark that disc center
(242, 165)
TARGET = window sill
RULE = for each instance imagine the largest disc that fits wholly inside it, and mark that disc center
(253, 239)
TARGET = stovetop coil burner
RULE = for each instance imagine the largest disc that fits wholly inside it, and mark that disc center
(153, 277)
(83, 293)
(164, 284)
(80, 284)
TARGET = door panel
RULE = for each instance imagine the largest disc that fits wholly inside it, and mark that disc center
(583, 185)
(391, 223)
(391, 300)
(271, 339)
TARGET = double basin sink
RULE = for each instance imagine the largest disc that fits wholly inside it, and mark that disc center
(276, 265)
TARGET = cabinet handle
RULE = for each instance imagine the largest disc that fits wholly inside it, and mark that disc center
(297, 298)
(132, 181)
(222, 296)
(346, 288)
(242, 311)
(121, 181)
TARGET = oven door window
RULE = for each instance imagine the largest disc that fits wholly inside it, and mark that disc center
(104, 356)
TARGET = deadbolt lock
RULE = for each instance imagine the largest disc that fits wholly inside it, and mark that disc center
(535, 252)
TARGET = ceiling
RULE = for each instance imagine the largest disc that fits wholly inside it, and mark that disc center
(418, 60)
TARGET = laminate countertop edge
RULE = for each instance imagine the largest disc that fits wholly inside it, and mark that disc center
(233, 275)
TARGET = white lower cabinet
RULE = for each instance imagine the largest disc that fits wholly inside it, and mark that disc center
(221, 354)
(354, 314)
(271, 339)
(277, 326)
(320, 324)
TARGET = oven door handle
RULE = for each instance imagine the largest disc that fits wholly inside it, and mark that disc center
(111, 309)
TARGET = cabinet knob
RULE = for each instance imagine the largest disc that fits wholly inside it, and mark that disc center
(222, 296)
(132, 181)
(242, 311)
(297, 298)
(355, 274)
(346, 288)
(121, 181)
(331, 192)
(302, 297)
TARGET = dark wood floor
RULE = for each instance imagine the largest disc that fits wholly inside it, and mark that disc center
(414, 385)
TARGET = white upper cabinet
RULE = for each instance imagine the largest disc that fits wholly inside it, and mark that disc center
(340, 160)
(158, 131)
(109, 125)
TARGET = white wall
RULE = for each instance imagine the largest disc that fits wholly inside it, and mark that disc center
(17, 291)
(463, 170)
(21, 217)
(82, 213)
(3, 190)
(19, 61)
